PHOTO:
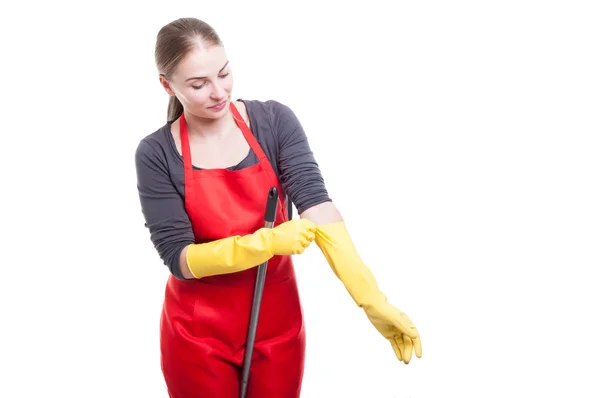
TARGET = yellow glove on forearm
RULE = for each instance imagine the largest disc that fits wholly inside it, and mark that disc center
(239, 253)
(334, 241)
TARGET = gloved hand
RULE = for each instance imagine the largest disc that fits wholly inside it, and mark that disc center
(290, 237)
(239, 253)
(396, 327)
(334, 241)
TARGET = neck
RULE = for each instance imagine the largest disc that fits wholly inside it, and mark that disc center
(203, 127)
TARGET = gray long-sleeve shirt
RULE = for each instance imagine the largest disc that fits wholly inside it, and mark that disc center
(160, 177)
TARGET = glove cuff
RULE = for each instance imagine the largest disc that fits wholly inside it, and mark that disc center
(336, 245)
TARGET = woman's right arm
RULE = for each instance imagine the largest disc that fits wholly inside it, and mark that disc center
(172, 235)
(163, 209)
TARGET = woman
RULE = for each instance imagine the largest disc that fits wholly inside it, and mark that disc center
(203, 178)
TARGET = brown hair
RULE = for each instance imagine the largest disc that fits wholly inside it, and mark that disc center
(173, 42)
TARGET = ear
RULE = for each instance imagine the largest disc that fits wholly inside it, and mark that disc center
(166, 85)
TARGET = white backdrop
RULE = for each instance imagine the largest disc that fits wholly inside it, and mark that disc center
(466, 143)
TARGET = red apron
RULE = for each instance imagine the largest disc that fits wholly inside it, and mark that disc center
(204, 322)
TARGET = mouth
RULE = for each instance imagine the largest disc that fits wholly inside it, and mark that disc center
(219, 105)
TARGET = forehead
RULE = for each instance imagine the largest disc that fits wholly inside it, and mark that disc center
(202, 60)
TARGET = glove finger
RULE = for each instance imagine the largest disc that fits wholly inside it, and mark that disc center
(402, 346)
(397, 350)
(307, 236)
(297, 250)
(418, 347)
(408, 349)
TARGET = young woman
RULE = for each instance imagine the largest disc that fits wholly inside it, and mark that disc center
(203, 180)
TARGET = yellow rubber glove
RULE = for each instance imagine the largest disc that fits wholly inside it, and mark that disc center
(239, 253)
(334, 241)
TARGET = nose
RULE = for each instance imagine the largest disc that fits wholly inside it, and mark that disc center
(218, 91)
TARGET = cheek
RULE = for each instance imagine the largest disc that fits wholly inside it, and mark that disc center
(198, 97)
(228, 83)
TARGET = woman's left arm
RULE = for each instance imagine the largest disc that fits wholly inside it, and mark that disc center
(302, 181)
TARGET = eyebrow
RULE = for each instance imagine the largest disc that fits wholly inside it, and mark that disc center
(204, 77)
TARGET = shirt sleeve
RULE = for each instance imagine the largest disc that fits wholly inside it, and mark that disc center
(300, 176)
(162, 206)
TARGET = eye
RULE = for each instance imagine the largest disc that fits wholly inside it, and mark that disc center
(223, 76)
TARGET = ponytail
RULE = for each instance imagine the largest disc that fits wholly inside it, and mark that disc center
(175, 109)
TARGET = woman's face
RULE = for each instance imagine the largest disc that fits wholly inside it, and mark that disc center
(202, 82)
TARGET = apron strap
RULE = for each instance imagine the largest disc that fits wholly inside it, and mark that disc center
(262, 157)
(185, 144)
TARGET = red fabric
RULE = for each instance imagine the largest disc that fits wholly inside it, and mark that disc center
(204, 322)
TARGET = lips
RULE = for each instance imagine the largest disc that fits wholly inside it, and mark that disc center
(219, 105)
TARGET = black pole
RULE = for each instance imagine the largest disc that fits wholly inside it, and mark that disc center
(270, 214)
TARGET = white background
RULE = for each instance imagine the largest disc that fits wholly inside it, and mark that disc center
(467, 169)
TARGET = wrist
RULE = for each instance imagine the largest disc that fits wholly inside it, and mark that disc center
(374, 299)
(266, 235)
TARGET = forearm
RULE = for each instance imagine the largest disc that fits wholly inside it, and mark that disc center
(226, 255)
(241, 252)
(334, 241)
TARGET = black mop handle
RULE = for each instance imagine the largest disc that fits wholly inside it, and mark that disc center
(270, 214)
(271, 207)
